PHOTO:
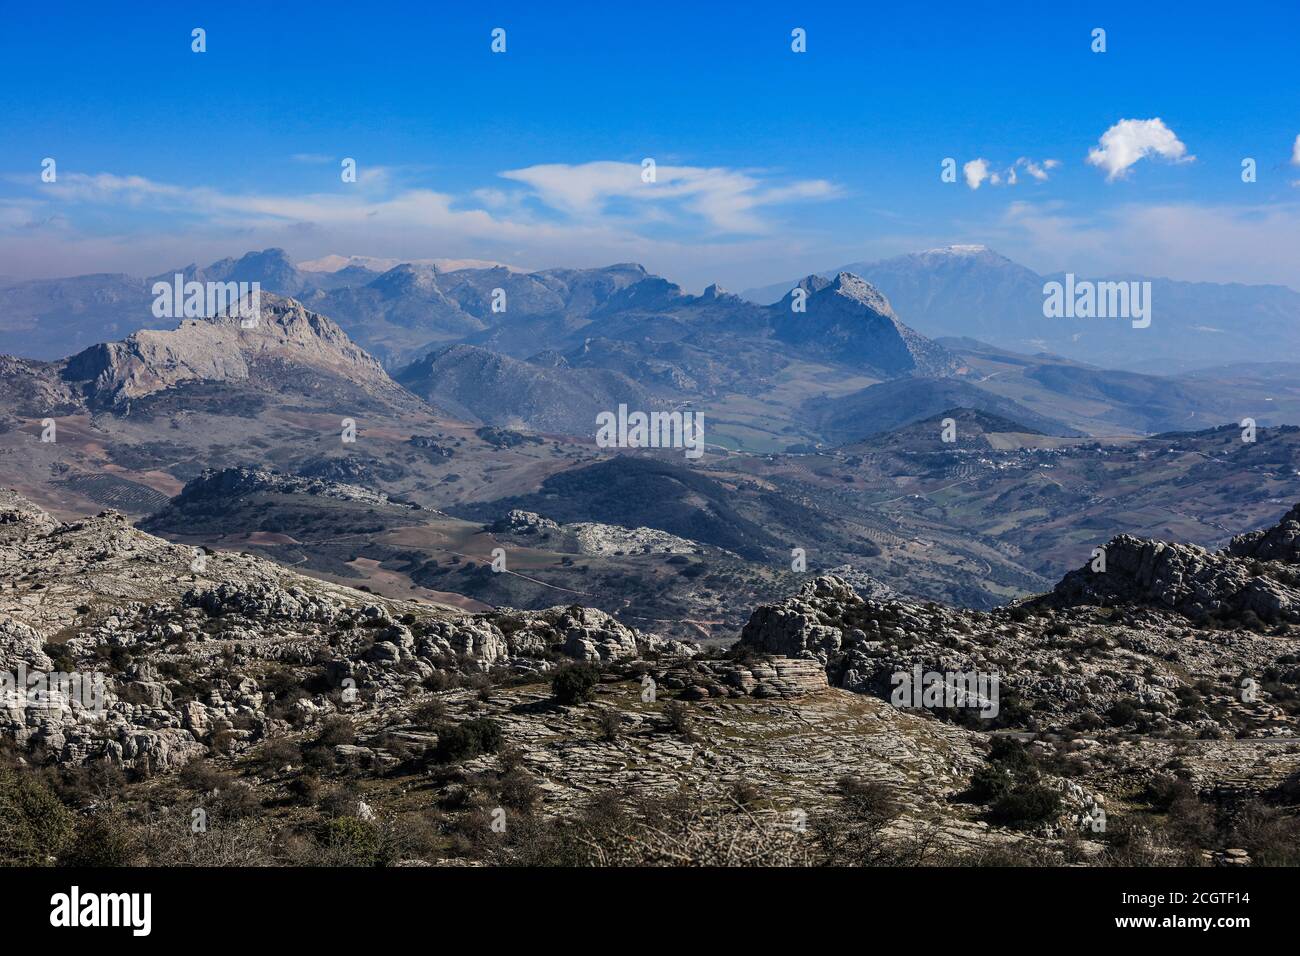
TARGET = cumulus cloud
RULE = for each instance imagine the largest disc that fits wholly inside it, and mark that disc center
(1131, 140)
(976, 171)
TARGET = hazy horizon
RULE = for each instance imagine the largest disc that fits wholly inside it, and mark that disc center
(1124, 161)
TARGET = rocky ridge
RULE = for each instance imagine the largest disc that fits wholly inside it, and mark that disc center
(181, 636)
(590, 537)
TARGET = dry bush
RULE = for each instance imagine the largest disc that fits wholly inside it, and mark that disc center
(169, 841)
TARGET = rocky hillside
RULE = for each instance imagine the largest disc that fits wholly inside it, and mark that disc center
(316, 723)
(169, 627)
(1255, 580)
(589, 537)
(220, 349)
(476, 385)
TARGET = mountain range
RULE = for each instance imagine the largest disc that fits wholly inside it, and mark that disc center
(970, 290)
(825, 418)
(561, 344)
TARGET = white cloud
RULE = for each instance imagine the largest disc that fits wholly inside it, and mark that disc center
(592, 196)
(976, 171)
(694, 224)
(1038, 170)
(1295, 151)
(1131, 140)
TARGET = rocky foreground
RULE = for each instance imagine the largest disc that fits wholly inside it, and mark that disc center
(1145, 711)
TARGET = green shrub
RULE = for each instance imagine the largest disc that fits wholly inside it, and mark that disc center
(575, 683)
(611, 725)
(467, 740)
(305, 788)
(679, 719)
(201, 776)
(102, 840)
(989, 783)
(337, 730)
(518, 790)
(1026, 805)
(1121, 712)
(867, 800)
(277, 753)
(34, 825)
(353, 841)
(1011, 754)
(427, 713)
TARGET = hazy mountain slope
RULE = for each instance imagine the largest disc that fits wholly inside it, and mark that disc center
(50, 318)
(398, 312)
(893, 404)
(1109, 402)
(477, 385)
(272, 268)
(974, 291)
(136, 419)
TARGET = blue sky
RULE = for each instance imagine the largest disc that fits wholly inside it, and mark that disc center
(770, 164)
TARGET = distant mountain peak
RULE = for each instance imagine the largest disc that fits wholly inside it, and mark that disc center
(810, 284)
(848, 318)
(222, 349)
(407, 277)
(860, 290)
(960, 249)
(337, 263)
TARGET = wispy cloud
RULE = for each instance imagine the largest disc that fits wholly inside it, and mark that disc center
(587, 194)
(728, 199)
(1216, 243)
(549, 215)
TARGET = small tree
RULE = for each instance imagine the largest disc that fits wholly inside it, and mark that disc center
(34, 825)
(575, 683)
(611, 725)
(103, 839)
(679, 719)
(467, 740)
